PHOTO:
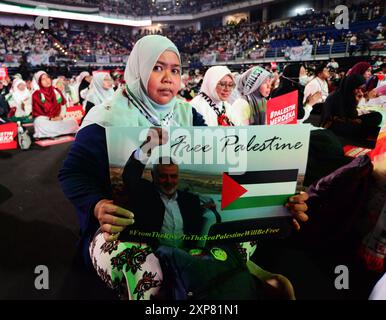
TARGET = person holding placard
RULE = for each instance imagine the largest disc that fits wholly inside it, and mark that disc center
(317, 84)
(148, 99)
(295, 77)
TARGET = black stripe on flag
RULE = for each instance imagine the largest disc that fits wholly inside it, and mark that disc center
(268, 176)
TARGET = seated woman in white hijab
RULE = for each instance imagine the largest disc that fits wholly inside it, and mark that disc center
(20, 99)
(82, 83)
(72, 88)
(254, 86)
(101, 90)
(211, 102)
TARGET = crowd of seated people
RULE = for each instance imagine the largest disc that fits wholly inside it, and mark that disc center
(149, 7)
(358, 12)
(44, 103)
(27, 40)
(18, 40)
(230, 41)
(334, 95)
(325, 78)
(83, 41)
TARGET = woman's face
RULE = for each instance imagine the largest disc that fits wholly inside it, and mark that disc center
(107, 82)
(45, 80)
(302, 72)
(165, 79)
(21, 86)
(265, 88)
(367, 73)
(224, 88)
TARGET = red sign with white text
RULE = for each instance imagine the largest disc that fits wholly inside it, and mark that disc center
(3, 73)
(8, 136)
(283, 109)
(75, 112)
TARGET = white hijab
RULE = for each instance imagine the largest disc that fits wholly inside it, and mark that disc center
(20, 97)
(81, 76)
(212, 77)
(139, 66)
(35, 80)
(76, 84)
(97, 94)
(207, 101)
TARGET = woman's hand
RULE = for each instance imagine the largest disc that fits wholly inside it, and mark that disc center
(297, 206)
(112, 218)
(155, 137)
(372, 94)
(314, 98)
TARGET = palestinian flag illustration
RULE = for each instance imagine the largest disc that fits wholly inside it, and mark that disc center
(258, 189)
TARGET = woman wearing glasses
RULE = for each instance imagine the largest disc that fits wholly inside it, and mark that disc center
(211, 102)
(101, 89)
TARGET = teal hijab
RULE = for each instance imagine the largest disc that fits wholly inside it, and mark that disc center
(139, 67)
(131, 105)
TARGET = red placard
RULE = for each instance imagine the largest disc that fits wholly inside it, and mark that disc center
(8, 136)
(283, 109)
(3, 73)
(380, 76)
(75, 112)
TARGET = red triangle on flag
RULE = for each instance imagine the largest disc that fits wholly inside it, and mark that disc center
(231, 191)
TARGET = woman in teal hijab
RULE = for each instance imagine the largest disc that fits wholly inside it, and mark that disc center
(148, 97)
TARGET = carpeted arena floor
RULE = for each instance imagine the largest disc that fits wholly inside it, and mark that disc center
(39, 227)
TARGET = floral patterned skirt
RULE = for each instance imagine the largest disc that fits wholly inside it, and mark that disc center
(132, 269)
